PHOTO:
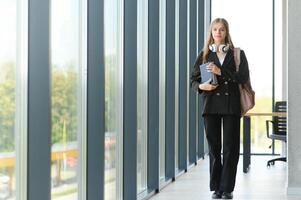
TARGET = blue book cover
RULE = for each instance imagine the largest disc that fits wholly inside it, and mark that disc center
(205, 74)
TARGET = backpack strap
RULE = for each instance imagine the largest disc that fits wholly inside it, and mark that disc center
(237, 57)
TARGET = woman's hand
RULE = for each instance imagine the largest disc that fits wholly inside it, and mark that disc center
(207, 86)
(214, 69)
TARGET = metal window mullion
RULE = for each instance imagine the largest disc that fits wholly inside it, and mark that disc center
(170, 90)
(192, 95)
(95, 100)
(197, 96)
(153, 93)
(183, 85)
(129, 42)
(39, 101)
(177, 19)
(187, 82)
(200, 39)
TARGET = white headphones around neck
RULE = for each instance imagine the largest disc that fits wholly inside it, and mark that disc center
(222, 47)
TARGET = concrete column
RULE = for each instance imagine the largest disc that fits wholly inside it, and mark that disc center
(294, 97)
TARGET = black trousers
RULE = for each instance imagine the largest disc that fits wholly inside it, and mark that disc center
(223, 169)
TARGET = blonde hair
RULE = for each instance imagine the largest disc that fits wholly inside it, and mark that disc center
(210, 40)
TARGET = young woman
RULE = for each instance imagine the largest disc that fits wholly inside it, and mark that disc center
(221, 106)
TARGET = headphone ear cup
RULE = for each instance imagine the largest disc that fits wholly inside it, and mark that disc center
(213, 47)
(221, 48)
(224, 48)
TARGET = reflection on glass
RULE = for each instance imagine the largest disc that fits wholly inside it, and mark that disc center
(142, 41)
(162, 41)
(113, 98)
(8, 132)
(65, 99)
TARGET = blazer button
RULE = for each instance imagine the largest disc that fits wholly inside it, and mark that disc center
(218, 94)
(226, 93)
(226, 82)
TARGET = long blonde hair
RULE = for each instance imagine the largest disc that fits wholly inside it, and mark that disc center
(210, 40)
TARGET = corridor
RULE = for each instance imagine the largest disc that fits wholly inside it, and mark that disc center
(261, 183)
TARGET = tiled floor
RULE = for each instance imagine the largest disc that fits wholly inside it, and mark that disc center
(260, 183)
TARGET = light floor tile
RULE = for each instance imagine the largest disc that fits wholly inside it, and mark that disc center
(260, 183)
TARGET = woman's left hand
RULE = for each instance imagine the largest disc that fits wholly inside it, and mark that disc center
(214, 69)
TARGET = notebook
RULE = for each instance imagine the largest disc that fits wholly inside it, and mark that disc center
(205, 74)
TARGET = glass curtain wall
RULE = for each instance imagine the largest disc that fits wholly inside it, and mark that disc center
(280, 68)
(162, 84)
(21, 99)
(258, 27)
(113, 33)
(13, 96)
(8, 59)
(142, 88)
(280, 64)
(68, 98)
(177, 57)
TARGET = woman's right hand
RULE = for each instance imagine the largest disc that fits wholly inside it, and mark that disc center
(207, 86)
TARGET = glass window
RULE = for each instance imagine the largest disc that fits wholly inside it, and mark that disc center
(8, 59)
(245, 28)
(142, 78)
(162, 83)
(13, 99)
(280, 66)
(113, 37)
(68, 98)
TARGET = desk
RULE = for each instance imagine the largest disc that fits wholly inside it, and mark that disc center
(247, 135)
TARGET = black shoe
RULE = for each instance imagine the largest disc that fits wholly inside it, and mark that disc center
(217, 195)
(227, 195)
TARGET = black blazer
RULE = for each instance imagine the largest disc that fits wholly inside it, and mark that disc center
(224, 99)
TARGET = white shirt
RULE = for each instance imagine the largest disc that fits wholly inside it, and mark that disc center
(221, 57)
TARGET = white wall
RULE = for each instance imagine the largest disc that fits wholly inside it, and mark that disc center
(294, 97)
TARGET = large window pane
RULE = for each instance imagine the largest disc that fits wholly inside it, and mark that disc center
(113, 22)
(260, 60)
(68, 94)
(254, 34)
(13, 99)
(142, 46)
(8, 36)
(280, 62)
(162, 83)
(280, 68)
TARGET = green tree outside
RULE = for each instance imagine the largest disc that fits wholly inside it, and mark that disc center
(64, 100)
(7, 107)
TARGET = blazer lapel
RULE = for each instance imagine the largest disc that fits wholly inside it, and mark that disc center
(228, 58)
(213, 58)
